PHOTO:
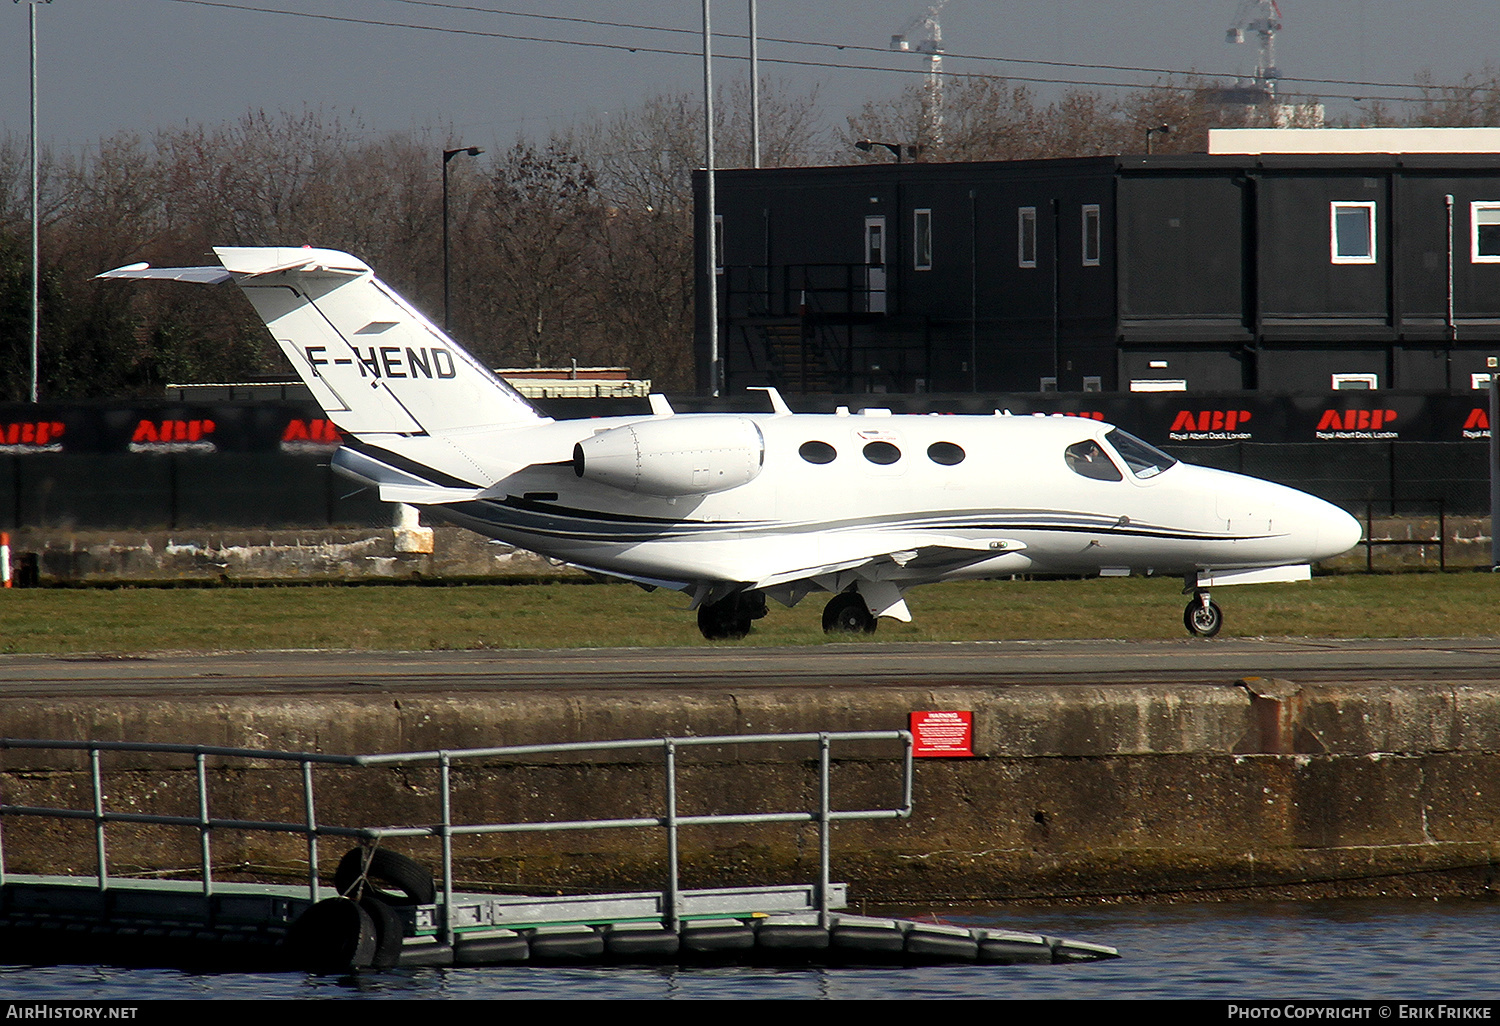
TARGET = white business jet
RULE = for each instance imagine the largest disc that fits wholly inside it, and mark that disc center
(736, 508)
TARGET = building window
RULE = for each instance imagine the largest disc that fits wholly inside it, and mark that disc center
(1048, 384)
(718, 243)
(1352, 232)
(1093, 383)
(1091, 235)
(1484, 216)
(921, 240)
(1355, 382)
(1158, 385)
(1479, 381)
(1026, 237)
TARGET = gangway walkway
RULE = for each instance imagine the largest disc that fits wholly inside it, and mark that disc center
(385, 909)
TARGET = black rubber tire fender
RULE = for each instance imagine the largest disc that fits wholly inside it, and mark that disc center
(410, 878)
(334, 936)
(389, 931)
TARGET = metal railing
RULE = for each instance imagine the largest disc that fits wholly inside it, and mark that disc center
(1370, 542)
(445, 829)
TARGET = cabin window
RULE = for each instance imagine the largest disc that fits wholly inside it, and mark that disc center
(949, 454)
(921, 240)
(818, 452)
(1485, 232)
(1352, 232)
(1143, 459)
(1088, 459)
(882, 453)
(1091, 244)
(1026, 237)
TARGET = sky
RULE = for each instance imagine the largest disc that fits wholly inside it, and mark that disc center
(112, 66)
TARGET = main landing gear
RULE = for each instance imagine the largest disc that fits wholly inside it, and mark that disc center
(730, 617)
(846, 613)
(1202, 616)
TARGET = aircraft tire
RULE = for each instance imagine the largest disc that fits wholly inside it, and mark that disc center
(1203, 621)
(726, 619)
(846, 613)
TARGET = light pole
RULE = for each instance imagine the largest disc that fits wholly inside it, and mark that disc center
(710, 203)
(754, 89)
(1156, 130)
(36, 260)
(448, 155)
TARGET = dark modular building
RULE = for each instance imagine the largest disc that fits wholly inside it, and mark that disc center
(1283, 273)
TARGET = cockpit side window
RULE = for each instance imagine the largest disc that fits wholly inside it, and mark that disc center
(1144, 460)
(1088, 459)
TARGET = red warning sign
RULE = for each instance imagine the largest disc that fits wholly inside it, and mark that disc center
(942, 733)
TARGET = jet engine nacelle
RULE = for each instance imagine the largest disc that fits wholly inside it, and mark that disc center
(673, 455)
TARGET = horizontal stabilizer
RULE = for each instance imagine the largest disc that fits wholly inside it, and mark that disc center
(200, 275)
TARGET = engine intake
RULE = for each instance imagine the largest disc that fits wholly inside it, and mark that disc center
(673, 455)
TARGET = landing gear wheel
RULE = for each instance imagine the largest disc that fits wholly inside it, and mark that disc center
(846, 613)
(731, 617)
(1202, 617)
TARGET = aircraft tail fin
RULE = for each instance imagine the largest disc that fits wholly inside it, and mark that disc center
(372, 361)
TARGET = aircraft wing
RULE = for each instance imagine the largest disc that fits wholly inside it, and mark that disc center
(889, 550)
(425, 495)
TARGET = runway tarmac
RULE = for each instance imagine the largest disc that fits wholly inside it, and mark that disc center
(859, 665)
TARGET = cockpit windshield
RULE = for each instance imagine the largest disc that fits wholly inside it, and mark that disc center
(1143, 460)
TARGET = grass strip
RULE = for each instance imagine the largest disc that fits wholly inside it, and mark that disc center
(571, 615)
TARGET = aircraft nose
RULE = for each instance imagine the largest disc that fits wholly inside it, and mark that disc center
(1338, 532)
(1317, 529)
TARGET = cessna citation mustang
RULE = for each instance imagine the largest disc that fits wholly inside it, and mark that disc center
(736, 508)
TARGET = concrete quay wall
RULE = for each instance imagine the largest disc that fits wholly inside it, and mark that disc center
(1257, 787)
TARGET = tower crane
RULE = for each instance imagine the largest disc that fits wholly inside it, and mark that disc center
(1263, 17)
(929, 41)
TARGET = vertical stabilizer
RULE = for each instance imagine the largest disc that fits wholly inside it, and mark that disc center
(372, 361)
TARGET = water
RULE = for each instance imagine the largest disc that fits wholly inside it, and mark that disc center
(1403, 950)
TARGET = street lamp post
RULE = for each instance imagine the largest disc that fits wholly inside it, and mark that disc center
(36, 259)
(901, 150)
(448, 155)
(1156, 130)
